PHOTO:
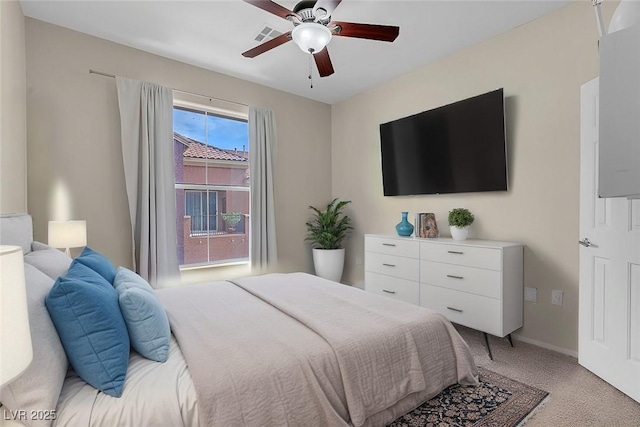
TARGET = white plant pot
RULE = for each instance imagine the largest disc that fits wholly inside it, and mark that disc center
(329, 263)
(459, 233)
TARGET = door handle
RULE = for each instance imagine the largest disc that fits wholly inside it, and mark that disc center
(454, 277)
(587, 243)
(389, 292)
(455, 309)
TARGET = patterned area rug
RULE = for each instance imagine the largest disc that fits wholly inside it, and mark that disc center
(498, 402)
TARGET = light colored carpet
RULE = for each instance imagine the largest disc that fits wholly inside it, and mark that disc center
(578, 397)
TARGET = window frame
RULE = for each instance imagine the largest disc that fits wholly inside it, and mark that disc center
(226, 110)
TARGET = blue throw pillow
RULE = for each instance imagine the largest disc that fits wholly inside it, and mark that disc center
(97, 263)
(84, 274)
(126, 279)
(147, 323)
(85, 311)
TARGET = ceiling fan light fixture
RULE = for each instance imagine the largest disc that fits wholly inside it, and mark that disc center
(311, 36)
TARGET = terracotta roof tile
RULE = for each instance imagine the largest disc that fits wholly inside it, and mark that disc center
(199, 150)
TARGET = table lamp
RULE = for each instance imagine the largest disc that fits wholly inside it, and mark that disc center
(67, 234)
(16, 351)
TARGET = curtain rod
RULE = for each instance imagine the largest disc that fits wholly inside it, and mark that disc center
(100, 73)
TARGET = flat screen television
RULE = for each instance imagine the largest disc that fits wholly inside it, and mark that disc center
(456, 148)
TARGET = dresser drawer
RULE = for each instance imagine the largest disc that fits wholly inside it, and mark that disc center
(404, 268)
(399, 247)
(460, 278)
(392, 287)
(471, 256)
(475, 311)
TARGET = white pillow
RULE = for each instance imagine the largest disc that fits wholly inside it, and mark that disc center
(50, 261)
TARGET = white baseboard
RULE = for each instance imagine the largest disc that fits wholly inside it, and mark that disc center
(358, 284)
(568, 352)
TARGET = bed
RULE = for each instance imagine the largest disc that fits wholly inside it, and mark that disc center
(279, 349)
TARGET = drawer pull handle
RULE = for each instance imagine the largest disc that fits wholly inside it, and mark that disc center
(389, 292)
(454, 277)
(388, 244)
(455, 309)
(388, 265)
(456, 252)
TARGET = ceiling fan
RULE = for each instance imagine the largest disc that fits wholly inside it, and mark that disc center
(313, 30)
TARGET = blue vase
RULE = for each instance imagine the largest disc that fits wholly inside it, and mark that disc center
(404, 227)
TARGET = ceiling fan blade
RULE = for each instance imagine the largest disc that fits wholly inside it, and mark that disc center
(272, 7)
(281, 39)
(386, 33)
(323, 62)
(328, 5)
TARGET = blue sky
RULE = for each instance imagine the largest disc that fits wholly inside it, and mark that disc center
(222, 132)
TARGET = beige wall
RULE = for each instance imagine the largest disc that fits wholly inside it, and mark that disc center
(13, 110)
(74, 153)
(541, 66)
(75, 167)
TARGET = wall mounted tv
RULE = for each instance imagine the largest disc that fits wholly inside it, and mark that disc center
(456, 148)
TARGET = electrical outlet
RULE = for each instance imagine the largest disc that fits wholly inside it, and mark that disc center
(556, 297)
(358, 261)
(530, 294)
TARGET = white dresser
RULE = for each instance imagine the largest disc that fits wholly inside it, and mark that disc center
(475, 283)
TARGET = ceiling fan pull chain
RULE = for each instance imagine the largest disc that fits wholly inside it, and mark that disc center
(310, 68)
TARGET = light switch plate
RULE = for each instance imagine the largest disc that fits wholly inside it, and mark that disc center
(530, 294)
(556, 297)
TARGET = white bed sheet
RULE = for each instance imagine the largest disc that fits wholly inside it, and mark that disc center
(155, 394)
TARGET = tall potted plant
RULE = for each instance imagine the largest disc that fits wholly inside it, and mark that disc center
(459, 221)
(326, 231)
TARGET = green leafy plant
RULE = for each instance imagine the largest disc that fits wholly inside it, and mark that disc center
(460, 217)
(231, 219)
(329, 228)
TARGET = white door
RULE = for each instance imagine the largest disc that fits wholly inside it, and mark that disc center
(609, 324)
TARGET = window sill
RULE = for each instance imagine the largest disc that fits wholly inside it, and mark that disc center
(204, 273)
(219, 264)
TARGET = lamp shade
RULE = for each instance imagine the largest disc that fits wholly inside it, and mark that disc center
(311, 37)
(67, 234)
(15, 336)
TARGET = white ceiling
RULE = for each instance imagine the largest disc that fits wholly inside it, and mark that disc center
(213, 34)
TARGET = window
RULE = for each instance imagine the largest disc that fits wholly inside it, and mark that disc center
(202, 207)
(211, 162)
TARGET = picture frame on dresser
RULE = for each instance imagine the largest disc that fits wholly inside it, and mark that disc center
(426, 225)
(474, 283)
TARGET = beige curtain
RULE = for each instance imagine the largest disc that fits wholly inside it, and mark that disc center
(146, 119)
(262, 153)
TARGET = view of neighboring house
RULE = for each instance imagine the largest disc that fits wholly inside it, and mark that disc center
(212, 202)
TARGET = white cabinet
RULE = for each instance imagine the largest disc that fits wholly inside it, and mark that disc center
(475, 283)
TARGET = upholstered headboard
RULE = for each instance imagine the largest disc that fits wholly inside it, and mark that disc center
(16, 230)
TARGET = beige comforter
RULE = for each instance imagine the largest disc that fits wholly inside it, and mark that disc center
(329, 355)
(251, 364)
(386, 350)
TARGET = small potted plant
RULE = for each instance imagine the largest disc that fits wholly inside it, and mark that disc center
(326, 232)
(231, 219)
(459, 221)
